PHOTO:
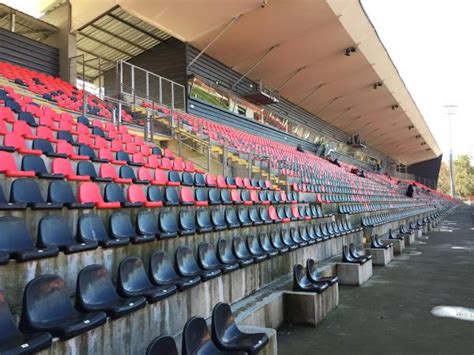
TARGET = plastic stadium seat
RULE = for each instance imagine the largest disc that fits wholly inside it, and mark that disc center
(186, 197)
(264, 216)
(187, 266)
(187, 179)
(350, 256)
(228, 337)
(263, 197)
(86, 168)
(147, 224)
(47, 307)
(54, 231)
(91, 228)
(27, 191)
(106, 154)
(277, 242)
(254, 216)
(214, 196)
(272, 213)
(108, 171)
(225, 197)
(244, 219)
(255, 249)
(16, 241)
(287, 240)
(207, 259)
(64, 147)
(314, 276)
(296, 237)
(121, 227)
(36, 164)
(199, 180)
(167, 226)
(231, 218)
(174, 178)
(241, 251)
(46, 148)
(61, 192)
(87, 151)
(245, 196)
(8, 166)
(114, 193)
(197, 340)
(136, 195)
(126, 172)
(133, 281)
(186, 223)
(218, 219)
(163, 273)
(266, 245)
(163, 344)
(200, 196)
(161, 178)
(303, 284)
(12, 341)
(6, 114)
(95, 292)
(235, 196)
(5, 205)
(154, 194)
(166, 164)
(226, 256)
(254, 197)
(171, 197)
(239, 182)
(203, 221)
(22, 129)
(230, 181)
(90, 192)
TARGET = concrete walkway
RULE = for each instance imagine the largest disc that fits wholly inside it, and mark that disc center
(391, 313)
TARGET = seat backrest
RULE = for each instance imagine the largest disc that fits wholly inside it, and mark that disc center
(223, 325)
(200, 194)
(161, 268)
(54, 230)
(114, 193)
(196, 337)
(86, 168)
(225, 196)
(45, 299)
(217, 217)
(163, 344)
(89, 192)
(186, 220)
(171, 195)
(186, 195)
(61, 192)
(224, 251)
(185, 261)
(44, 145)
(203, 219)
(199, 180)
(126, 172)
(174, 176)
(121, 155)
(87, 151)
(121, 225)
(207, 256)
(91, 227)
(107, 170)
(167, 221)
(187, 178)
(33, 163)
(15, 236)
(94, 286)
(7, 324)
(155, 194)
(132, 275)
(25, 190)
(66, 136)
(147, 223)
(214, 196)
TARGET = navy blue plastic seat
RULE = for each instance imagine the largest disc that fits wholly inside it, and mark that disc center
(84, 120)
(16, 241)
(231, 218)
(228, 337)
(154, 194)
(133, 281)
(225, 197)
(61, 192)
(186, 223)
(254, 216)
(255, 249)
(199, 180)
(66, 136)
(86, 168)
(214, 196)
(87, 151)
(217, 219)
(47, 148)
(12, 341)
(27, 191)
(47, 308)
(95, 292)
(171, 197)
(114, 193)
(162, 345)
(147, 224)
(226, 256)
(200, 196)
(296, 237)
(5, 205)
(167, 226)
(187, 179)
(28, 118)
(162, 273)
(203, 221)
(98, 132)
(302, 283)
(314, 275)
(126, 172)
(35, 163)
(207, 259)
(287, 240)
(244, 218)
(264, 216)
(266, 245)
(187, 266)
(54, 231)
(91, 228)
(121, 227)
(174, 177)
(121, 155)
(241, 251)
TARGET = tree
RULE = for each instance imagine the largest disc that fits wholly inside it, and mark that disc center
(463, 177)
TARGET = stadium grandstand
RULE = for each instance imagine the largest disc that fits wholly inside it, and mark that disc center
(196, 177)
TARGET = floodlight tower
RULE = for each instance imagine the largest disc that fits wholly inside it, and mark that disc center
(450, 113)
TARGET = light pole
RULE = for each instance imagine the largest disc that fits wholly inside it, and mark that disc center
(450, 113)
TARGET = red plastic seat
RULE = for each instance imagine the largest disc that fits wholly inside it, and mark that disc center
(166, 164)
(186, 196)
(3, 128)
(211, 180)
(66, 148)
(272, 213)
(89, 192)
(283, 197)
(135, 194)
(235, 197)
(63, 166)
(144, 174)
(82, 129)
(247, 184)
(16, 141)
(23, 129)
(168, 153)
(154, 161)
(8, 166)
(105, 153)
(7, 114)
(221, 182)
(116, 146)
(254, 197)
(145, 149)
(178, 165)
(137, 158)
(239, 182)
(107, 170)
(46, 133)
(100, 143)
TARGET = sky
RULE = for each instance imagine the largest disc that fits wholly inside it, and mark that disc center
(430, 43)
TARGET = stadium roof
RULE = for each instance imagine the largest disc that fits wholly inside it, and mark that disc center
(298, 47)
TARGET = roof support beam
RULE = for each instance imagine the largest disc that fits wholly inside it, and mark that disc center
(292, 76)
(106, 44)
(95, 55)
(135, 27)
(219, 35)
(268, 51)
(327, 105)
(118, 37)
